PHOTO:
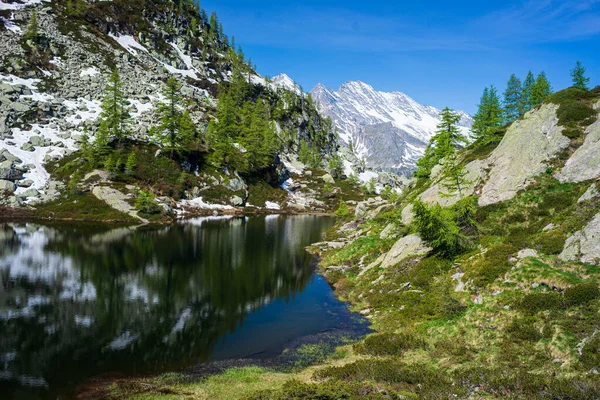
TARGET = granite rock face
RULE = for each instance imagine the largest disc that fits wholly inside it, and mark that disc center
(476, 172)
(584, 164)
(523, 154)
(584, 245)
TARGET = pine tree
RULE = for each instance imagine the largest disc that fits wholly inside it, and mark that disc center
(32, 32)
(176, 127)
(489, 115)
(578, 74)
(214, 24)
(540, 90)
(513, 99)
(528, 85)
(115, 117)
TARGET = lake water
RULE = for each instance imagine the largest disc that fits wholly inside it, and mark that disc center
(79, 300)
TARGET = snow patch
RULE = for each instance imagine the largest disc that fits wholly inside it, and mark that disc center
(91, 71)
(199, 203)
(129, 43)
(272, 206)
(21, 4)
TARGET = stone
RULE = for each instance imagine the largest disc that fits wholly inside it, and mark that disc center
(408, 246)
(523, 154)
(115, 199)
(236, 184)
(374, 213)
(584, 163)
(360, 211)
(584, 245)
(6, 155)
(527, 253)
(389, 231)
(327, 178)
(7, 188)
(27, 147)
(237, 201)
(590, 194)
(25, 183)
(29, 193)
(408, 214)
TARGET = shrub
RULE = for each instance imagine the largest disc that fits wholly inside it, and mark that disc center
(493, 264)
(523, 329)
(534, 302)
(437, 226)
(343, 210)
(590, 353)
(146, 203)
(581, 294)
(427, 269)
(389, 344)
(550, 243)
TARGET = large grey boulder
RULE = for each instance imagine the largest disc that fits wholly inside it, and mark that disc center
(584, 163)
(523, 154)
(408, 246)
(328, 179)
(6, 155)
(408, 214)
(584, 245)
(115, 199)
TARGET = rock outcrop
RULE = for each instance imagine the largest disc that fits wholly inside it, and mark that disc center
(584, 245)
(476, 172)
(523, 154)
(584, 164)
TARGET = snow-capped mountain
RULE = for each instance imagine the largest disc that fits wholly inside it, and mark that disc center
(284, 81)
(390, 130)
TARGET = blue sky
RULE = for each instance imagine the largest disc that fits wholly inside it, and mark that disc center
(441, 53)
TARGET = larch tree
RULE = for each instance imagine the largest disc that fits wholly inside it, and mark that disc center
(446, 140)
(528, 85)
(513, 99)
(176, 127)
(32, 32)
(540, 90)
(578, 74)
(489, 116)
(115, 118)
(455, 175)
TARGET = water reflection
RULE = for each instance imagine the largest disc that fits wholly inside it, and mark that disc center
(79, 300)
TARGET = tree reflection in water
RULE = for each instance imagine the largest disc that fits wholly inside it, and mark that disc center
(80, 300)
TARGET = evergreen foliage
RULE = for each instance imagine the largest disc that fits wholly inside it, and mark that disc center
(528, 85)
(145, 203)
(176, 127)
(489, 115)
(32, 32)
(115, 117)
(437, 226)
(513, 99)
(447, 139)
(336, 167)
(540, 90)
(455, 175)
(131, 163)
(578, 74)
(243, 136)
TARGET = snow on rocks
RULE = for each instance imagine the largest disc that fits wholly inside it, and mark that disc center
(11, 26)
(129, 43)
(91, 71)
(272, 206)
(20, 4)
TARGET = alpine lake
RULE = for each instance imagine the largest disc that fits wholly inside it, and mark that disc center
(80, 301)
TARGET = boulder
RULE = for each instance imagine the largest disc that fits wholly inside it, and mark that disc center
(523, 154)
(408, 214)
(28, 193)
(584, 245)
(7, 188)
(25, 183)
(361, 210)
(389, 231)
(590, 194)
(584, 163)
(527, 253)
(6, 155)
(408, 246)
(327, 178)
(237, 201)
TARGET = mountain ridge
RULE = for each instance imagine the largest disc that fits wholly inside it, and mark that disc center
(356, 109)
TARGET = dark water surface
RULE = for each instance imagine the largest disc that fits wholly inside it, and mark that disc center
(78, 301)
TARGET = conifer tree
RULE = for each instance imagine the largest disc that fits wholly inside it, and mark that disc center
(540, 90)
(115, 117)
(447, 139)
(528, 85)
(131, 163)
(176, 127)
(455, 174)
(489, 114)
(513, 99)
(578, 74)
(32, 32)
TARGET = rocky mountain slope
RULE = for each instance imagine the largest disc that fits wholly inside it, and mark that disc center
(51, 90)
(389, 130)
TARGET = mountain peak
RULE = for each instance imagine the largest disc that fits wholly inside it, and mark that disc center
(369, 118)
(284, 81)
